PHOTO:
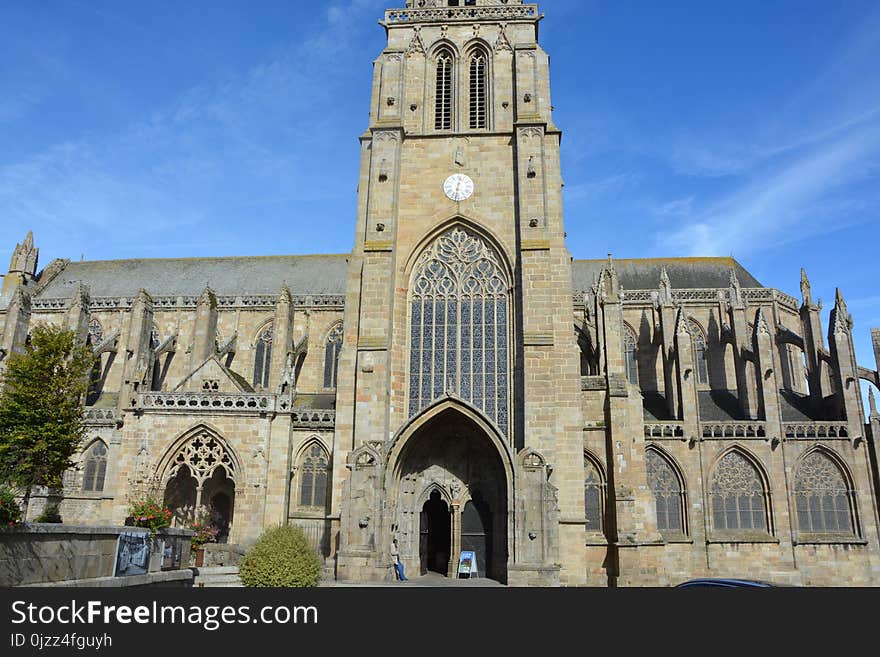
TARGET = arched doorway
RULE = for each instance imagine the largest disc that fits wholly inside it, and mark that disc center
(435, 538)
(451, 453)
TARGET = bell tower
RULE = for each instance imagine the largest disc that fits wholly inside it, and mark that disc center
(459, 286)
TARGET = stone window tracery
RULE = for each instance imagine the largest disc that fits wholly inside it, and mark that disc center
(738, 498)
(668, 494)
(96, 332)
(95, 467)
(313, 477)
(823, 500)
(331, 356)
(263, 358)
(459, 326)
(202, 455)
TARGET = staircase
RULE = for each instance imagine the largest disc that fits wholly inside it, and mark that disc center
(216, 576)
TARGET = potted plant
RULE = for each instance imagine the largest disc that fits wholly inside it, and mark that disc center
(150, 513)
(202, 533)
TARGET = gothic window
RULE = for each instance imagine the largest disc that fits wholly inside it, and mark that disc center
(479, 78)
(263, 358)
(738, 499)
(594, 496)
(631, 356)
(443, 91)
(313, 477)
(669, 499)
(331, 356)
(95, 467)
(823, 500)
(459, 325)
(701, 353)
(202, 455)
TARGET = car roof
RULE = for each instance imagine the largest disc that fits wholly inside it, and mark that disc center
(726, 582)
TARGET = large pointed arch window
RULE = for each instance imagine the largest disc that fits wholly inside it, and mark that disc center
(443, 90)
(331, 356)
(478, 70)
(668, 492)
(459, 326)
(823, 500)
(263, 358)
(313, 477)
(738, 499)
(95, 467)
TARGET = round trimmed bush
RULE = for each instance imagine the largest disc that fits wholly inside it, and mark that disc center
(282, 557)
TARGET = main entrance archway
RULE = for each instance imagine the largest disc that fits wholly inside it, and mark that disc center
(451, 494)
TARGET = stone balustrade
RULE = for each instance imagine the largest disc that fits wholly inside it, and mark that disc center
(321, 419)
(812, 430)
(189, 402)
(462, 14)
(733, 429)
(670, 429)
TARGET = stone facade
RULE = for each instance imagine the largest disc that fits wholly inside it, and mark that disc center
(458, 382)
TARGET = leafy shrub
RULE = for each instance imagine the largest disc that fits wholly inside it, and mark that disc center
(282, 557)
(10, 513)
(50, 514)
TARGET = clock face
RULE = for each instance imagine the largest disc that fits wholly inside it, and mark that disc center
(458, 187)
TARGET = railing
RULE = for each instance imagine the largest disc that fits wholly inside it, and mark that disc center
(101, 416)
(664, 430)
(468, 13)
(198, 401)
(702, 296)
(188, 302)
(324, 419)
(815, 430)
(746, 429)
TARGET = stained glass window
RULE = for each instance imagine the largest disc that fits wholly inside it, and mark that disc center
(668, 494)
(95, 467)
(822, 498)
(263, 358)
(458, 326)
(331, 356)
(737, 495)
(313, 473)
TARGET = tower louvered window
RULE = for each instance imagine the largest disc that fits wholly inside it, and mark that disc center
(443, 93)
(478, 87)
(458, 324)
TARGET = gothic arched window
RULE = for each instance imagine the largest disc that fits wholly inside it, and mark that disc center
(95, 467)
(313, 477)
(631, 355)
(823, 500)
(263, 358)
(738, 499)
(594, 496)
(479, 83)
(331, 356)
(96, 332)
(701, 353)
(666, 487)
(458, 326)
(443, 91)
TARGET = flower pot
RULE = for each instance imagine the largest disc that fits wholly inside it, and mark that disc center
(200, 557)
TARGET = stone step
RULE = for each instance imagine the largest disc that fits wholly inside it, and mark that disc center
(216, 576)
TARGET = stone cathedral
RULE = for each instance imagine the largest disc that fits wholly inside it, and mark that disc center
(460, 382)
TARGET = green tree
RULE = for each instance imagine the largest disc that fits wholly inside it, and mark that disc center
(41, 412)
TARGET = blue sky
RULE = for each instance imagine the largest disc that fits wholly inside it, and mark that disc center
(155, 129)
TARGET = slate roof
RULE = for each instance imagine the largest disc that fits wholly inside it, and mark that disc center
(644, 273)
(304, 274)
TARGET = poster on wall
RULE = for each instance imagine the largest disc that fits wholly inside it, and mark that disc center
(132, 554)
(467, 564)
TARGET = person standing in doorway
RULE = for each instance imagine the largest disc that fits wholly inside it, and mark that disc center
(396, 562)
